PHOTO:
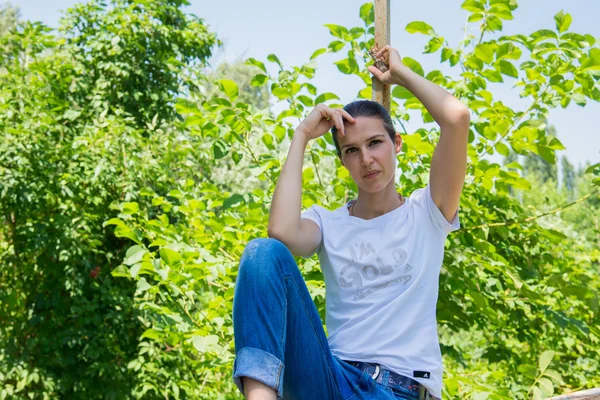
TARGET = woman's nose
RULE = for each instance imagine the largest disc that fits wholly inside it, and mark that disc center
(366, 160)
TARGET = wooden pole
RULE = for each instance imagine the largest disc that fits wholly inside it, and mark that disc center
(591, 394)
(381, 93)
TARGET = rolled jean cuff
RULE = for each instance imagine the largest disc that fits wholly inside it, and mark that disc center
(260, 366)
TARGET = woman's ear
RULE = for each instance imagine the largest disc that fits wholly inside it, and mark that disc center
(398, 143)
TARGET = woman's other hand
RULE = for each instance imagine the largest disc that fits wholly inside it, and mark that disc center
(397, 68)
(321, 119)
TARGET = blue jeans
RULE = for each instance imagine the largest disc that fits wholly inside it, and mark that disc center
(279, 336)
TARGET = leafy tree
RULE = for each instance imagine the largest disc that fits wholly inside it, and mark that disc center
(251, 89)
(9, 16)
(545, 169)
(568, 174)
(137, 56)
(81, 127)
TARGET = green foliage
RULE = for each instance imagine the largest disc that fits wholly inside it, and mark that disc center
(9, 15)
(145, 53)
(165, 184)
(80, 127)
(249, 79)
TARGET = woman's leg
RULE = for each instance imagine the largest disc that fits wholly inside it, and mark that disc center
(256, 390)
(279, 337)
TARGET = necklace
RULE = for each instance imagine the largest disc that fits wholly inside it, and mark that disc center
(353, 204)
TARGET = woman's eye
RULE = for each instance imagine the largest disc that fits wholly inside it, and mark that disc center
(352, 148)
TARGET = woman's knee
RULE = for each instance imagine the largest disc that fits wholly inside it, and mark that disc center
(260, 255)
(265, 245)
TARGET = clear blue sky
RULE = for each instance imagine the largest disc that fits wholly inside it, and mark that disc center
(294, 29)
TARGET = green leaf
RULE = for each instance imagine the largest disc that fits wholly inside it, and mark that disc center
(143, 285)
(543, 34)
(413, 65)
(494, 23)
(120, 271)
(367, 13)
(135, 269)
(164, 219)
(151, 334)
(595, 168)
(134, 255)
(229, 87)
(502, 149)
(366, 93)
(204, 343)
(131, 207)
(528, 370)
(170, 257)
(563, 21)
(337, 30)
(71, 115)
(125, 231)
(434, 44)
(234, 199)
(507, 68)
(281, 93)
(508, 50)
(259, 80)
(420, 27)
(473, 6)
(485, 52)
(546, 386)
(578, 98)
(307, 101)
(147, 192)
(336, 46)
(492, 75)
(237, 157)
(547, 154)
(545, 359)
(347, 66)
(555, 144)
(475, 17)
(325, 97)
(555, 376)
(273, 58)
(113, 221)
(357, 32)
(256, 63)
(220, 149)
(317, 53)
(501, 13)
(401, 92)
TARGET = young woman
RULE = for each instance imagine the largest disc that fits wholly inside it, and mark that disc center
(380, 254)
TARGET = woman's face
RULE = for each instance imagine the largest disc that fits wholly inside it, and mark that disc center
(366, 148)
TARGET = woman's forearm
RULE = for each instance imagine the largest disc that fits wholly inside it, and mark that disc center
(443, 107)
(286, 205)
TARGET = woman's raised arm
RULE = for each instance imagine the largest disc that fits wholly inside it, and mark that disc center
(286, 206)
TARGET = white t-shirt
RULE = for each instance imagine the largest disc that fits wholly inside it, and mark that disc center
(381, 279)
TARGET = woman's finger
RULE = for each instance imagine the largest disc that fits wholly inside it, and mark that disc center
(340, 123)
(324, 111)
(384, 49)
(382, 77)
(347, 115)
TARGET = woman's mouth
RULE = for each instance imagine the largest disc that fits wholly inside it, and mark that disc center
(372, 174)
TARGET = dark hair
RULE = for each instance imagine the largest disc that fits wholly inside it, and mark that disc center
(366, 108)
